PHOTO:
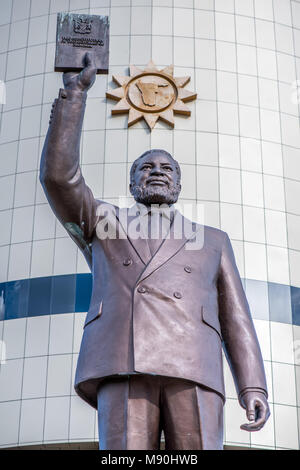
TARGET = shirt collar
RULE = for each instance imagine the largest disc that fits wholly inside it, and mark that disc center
(166, 211)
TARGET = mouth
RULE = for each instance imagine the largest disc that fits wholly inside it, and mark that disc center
(157, 182)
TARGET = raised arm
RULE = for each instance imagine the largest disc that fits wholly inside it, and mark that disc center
(70, 198)
(240, 342)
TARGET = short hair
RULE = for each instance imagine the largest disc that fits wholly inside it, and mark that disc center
(150, 153)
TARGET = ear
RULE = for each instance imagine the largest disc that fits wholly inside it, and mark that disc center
(130, 188)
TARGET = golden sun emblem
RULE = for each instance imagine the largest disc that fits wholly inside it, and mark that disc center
(151, 94)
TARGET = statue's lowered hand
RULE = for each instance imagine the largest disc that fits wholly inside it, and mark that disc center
(257, 410)
(84, 80)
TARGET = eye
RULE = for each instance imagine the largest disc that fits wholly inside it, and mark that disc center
(168, 168)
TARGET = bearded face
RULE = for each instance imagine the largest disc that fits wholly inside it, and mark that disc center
(156, 180)
(155, 195)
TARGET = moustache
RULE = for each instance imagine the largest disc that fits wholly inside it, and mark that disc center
(160, 180)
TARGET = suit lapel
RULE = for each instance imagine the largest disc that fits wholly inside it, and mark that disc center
(128, 223)
(181, 231)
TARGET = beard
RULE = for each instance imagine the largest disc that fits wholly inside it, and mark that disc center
(155, 194)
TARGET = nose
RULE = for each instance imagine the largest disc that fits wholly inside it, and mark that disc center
(156, 170)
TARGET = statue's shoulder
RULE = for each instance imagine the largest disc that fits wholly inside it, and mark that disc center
(214, 232)
(104, 207)
(213, 236)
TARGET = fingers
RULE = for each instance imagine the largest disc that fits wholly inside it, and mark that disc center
(68, 78)
(258, 413)
(250, 410)
(88, 74)
(85, 79)
(254, 426)
(89, 61)
(88, 58)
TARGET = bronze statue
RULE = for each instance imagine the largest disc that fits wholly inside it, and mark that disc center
(151, 352)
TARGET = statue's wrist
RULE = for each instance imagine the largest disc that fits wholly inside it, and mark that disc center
(73, 94)
(244, 392)
(76, 91)
(252, 390)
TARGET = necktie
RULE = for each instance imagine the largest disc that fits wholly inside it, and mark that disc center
(155, 235)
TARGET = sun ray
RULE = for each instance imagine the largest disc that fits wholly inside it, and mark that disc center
(134, 116)
(115, 93)
(186, 95)
(168, 70)
(181, 81)
(151, 119)
(121, 80)
(122, 107)
(133, 71)
(168, 117)
(151, 67)
(181, 108)
(151, 94)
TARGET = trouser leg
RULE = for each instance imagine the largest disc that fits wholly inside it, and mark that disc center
(192, 416)
(128, 413)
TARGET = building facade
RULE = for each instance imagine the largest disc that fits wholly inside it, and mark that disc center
(239, 154)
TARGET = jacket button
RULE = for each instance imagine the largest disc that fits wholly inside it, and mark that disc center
(188, 269)
(127, 261)
(177, 295)
(141, 290)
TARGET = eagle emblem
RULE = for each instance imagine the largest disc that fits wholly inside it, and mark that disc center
(82, 25)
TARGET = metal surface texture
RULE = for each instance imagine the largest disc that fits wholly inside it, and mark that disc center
(165, 314)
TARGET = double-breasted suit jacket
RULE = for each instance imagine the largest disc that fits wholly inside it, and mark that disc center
(169, 314)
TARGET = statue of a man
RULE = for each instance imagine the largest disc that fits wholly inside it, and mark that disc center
(161, 308)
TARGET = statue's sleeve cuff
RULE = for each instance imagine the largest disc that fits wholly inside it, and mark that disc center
(75, 96)
(251, 389)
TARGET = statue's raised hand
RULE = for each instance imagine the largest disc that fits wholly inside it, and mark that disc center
(84, 80)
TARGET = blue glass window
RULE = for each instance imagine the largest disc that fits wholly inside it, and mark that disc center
(16, 299)
(39, 296)
(83, 292)
(280, 303)
(2, 300)
(295, 297)
(63, 294)
(257, 295)
(72, 293)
